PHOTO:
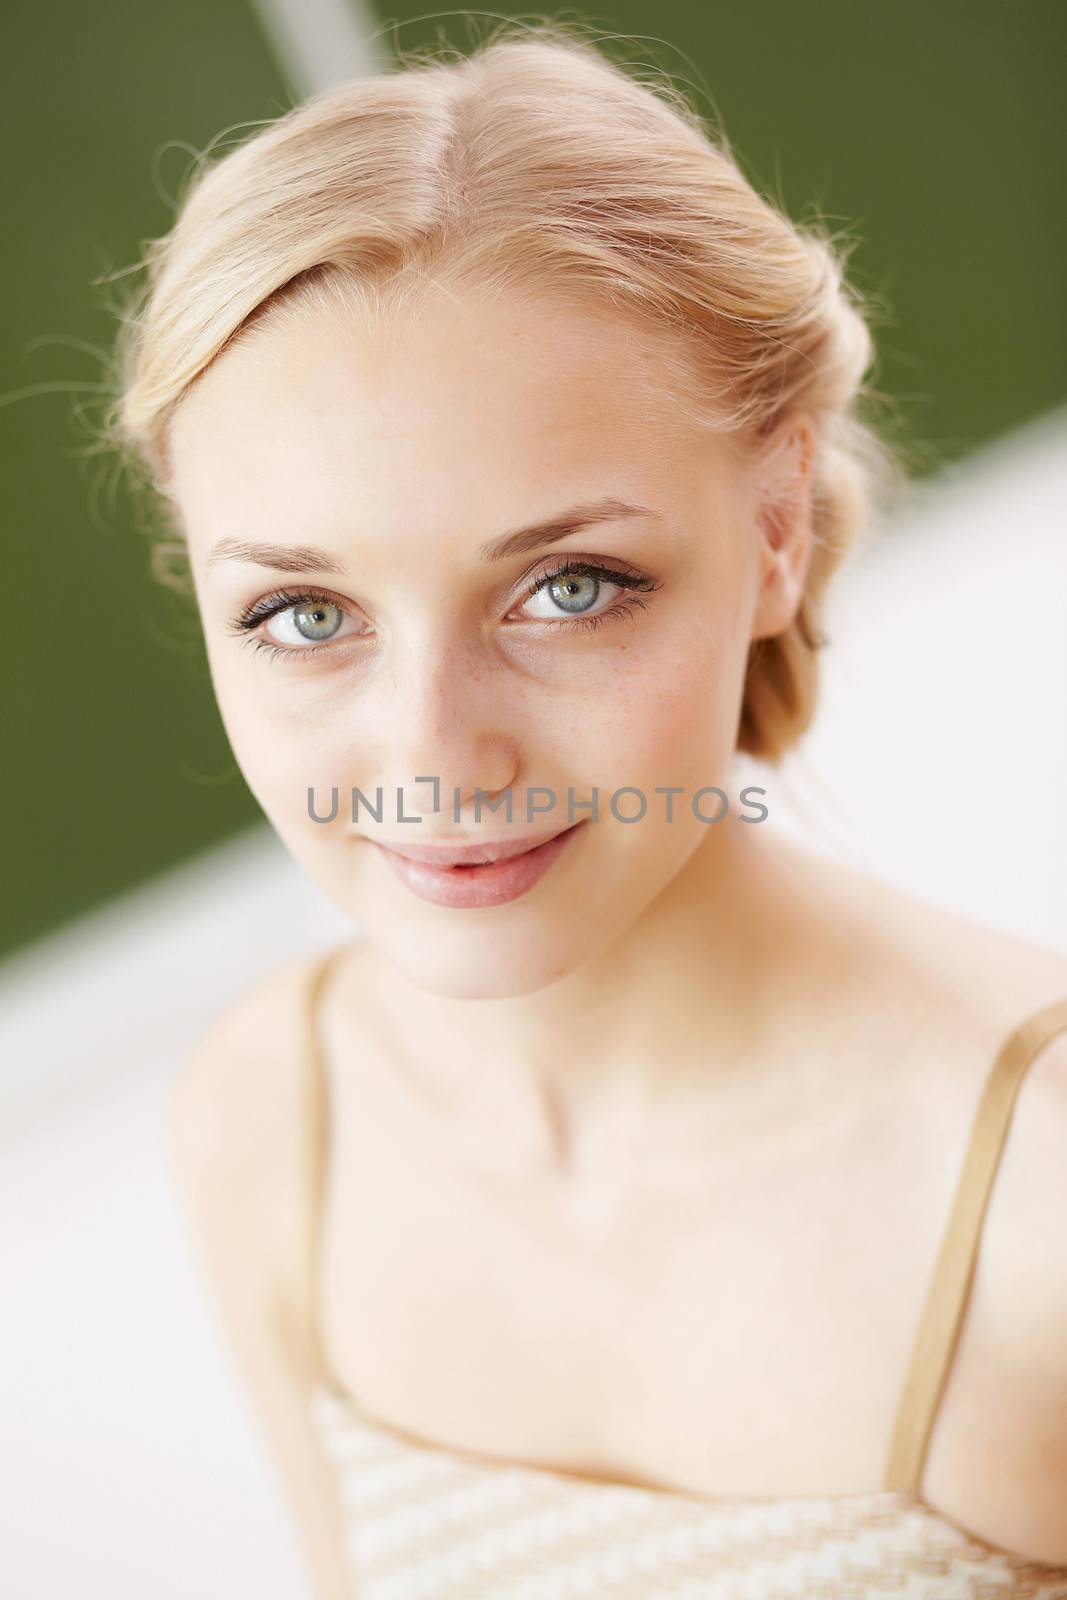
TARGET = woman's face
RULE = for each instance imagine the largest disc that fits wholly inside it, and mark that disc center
(403, 650)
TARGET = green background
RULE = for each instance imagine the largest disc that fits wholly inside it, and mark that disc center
(932, 130)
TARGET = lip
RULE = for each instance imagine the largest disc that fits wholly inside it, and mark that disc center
(462, 855)
(477, 887)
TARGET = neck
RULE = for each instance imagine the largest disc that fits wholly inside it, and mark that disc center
(698, 1000)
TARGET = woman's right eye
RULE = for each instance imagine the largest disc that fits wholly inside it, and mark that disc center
(311, 622)
(295, 624)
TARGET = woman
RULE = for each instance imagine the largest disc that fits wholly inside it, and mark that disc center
(602, 1220)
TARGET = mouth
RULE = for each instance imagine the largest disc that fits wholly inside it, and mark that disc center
(490, 875)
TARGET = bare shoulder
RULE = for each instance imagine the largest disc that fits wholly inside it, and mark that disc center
(238, 1121)
(997, 1462)
(237, 1114)
(240, 1084)
(998, 1458)
(938, 966)
(933, 996)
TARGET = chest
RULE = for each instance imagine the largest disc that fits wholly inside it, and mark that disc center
(735, 1332)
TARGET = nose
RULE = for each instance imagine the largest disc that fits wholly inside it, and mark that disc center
(442, 712)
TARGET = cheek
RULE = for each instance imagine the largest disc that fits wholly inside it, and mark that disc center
(282, 751)
(667, 719)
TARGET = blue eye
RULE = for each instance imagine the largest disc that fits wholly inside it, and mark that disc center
(312, 620)
(575, 588)
(298, 618)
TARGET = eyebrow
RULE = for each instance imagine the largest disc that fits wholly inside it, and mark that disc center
(308, 558)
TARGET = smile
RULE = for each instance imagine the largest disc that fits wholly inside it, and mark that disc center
(477, 876)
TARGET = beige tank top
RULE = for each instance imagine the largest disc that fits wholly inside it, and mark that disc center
(425, 1522)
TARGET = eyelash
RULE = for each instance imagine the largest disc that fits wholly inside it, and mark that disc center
(629, 578)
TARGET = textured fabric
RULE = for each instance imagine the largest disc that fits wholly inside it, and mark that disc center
(423, 1522)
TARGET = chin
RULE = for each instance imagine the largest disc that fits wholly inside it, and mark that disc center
(460, 960)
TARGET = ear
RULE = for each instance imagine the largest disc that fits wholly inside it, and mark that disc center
(784, 522)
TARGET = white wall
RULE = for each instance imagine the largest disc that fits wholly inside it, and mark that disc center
(939, 755)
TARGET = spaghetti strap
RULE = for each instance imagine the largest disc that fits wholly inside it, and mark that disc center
(946, 1300)
(318, 1125)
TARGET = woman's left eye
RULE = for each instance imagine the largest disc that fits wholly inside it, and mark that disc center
(568, 595)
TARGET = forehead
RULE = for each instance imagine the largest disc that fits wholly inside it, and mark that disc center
(462, 400)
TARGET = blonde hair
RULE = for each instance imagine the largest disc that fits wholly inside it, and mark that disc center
(533, 162)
